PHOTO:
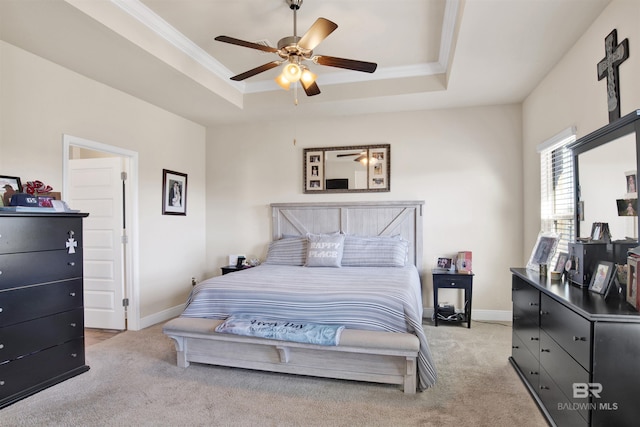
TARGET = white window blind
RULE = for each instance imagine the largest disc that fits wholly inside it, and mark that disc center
(557, 196)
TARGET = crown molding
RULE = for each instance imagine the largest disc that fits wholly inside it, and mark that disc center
(163, 29)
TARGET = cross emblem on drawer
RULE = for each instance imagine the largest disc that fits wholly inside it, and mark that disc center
(71, 243)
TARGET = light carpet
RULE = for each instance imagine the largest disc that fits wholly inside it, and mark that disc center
(134, 381)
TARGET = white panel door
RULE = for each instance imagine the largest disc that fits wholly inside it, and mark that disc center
(96, 188)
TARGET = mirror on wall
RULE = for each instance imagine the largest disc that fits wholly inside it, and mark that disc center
(606, 165)
(358, 168)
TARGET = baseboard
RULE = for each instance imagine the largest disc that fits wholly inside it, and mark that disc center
(480, 315)
(161, 316)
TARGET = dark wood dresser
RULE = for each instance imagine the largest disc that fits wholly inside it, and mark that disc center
(576, 352)
(41, 303)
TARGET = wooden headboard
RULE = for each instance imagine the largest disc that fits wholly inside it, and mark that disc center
(402, 218)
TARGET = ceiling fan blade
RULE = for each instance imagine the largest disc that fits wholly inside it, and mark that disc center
(238, 42)
(256, 70)
(311, 89)
(349, 64)
(318, 32)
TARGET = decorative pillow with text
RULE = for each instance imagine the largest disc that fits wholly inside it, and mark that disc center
(324, 250)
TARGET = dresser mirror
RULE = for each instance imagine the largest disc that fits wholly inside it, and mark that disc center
(352, 169)
(606, 165)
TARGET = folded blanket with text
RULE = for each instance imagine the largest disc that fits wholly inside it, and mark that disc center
(285, 330)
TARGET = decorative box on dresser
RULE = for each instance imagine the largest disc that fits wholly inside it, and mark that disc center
(576, 351)
(41, 302)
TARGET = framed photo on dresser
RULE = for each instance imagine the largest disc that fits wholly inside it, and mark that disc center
(601, 278)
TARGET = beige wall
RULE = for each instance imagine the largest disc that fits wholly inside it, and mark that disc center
(571, 95)
(464, 163)
(40, 101)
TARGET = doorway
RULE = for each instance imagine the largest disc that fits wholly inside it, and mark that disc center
(101, 180)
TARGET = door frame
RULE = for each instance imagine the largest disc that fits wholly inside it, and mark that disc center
(131, 259)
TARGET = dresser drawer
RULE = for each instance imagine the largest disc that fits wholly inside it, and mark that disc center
(564, 370)
(28, 234)
(33, 370)
(20, 305)
(525, 296)
(526, 326)
(527, 361)
(562, 411)
(28, 337)
(22, 269)
(570, 330)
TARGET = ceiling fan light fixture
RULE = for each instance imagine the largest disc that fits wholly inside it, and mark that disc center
(292, 72)
(307, 78)
(283, 82)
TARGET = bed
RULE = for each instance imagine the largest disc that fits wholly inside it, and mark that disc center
(353, 265)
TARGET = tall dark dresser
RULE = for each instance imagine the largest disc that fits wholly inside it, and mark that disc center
(41, 303)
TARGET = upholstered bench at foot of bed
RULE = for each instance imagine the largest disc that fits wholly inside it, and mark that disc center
(382, 357)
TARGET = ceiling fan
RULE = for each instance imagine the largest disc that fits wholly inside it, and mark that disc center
(294, 51)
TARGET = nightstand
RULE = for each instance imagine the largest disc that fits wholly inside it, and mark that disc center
(231, 268)
(443, 279)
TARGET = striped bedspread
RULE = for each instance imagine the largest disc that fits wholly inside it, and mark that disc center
(369, 298)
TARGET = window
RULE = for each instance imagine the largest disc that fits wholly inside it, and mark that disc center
(557, 196)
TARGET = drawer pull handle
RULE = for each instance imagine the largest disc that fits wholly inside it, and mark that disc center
(73, 294)
(535, 339)
(74, 354)
(544, 387)
(1, 346)
(73, 325)
(72, 264)
(579, 338)
(0, 309)
(533, 373)
(1, 382)
(542, 312)
(545, 350)
(515, 346)
(533, 304)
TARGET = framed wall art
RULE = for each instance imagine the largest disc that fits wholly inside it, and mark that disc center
(174, 193)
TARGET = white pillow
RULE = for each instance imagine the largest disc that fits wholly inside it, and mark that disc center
(375, 251)
(290, 251)
(324, 250)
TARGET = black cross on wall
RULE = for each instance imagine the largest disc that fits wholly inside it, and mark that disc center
(615, 55)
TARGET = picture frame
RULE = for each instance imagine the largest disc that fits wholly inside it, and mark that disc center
(8, 186)
(632, 282)
(627, 207)
(44, 199)
(601, 278)
(543, 251)
(445, 263)
(314, 173)
(600, 232)
(561, 262)
(174, 193)
(631, 185)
